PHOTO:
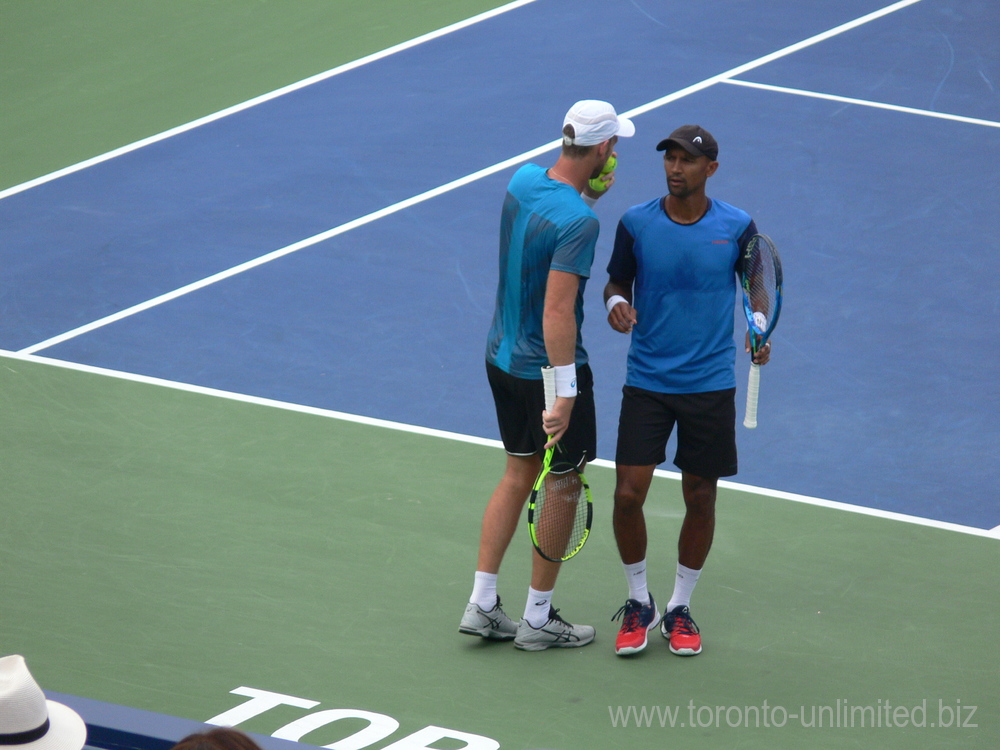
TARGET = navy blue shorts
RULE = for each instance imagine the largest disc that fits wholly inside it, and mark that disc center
(706, 430)
(519, 404)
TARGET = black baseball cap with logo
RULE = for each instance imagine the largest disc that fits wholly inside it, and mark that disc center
(694, 139)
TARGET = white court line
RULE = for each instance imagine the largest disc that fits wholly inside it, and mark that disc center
(784, 52)
(863, 102)
(409, 202)
(430, 36)
(444, 434)
(275, 254)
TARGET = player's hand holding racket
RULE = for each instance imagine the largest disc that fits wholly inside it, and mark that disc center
(761, 280)
(556, 421)
(560, 509)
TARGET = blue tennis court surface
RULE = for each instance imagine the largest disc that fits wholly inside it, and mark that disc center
(883, 388)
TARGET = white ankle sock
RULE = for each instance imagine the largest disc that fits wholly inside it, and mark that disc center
(635, 576)
(684, 585)
(484, 591)
(536, 609)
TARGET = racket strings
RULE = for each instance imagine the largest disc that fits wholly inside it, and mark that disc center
(763, 284)
(561, 514)
(762, 279)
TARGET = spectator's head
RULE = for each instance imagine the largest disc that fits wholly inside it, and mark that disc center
(223, 738)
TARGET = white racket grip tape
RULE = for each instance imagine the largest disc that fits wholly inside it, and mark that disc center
(753, 389)
(549, 383)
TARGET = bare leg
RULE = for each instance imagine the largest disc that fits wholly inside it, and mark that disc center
(631, 487)
(503, 512)
(698, 528)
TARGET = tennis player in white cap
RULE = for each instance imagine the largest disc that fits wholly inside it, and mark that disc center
(548, 232)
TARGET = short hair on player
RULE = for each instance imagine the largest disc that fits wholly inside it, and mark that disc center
(573, 151)
(221, 738)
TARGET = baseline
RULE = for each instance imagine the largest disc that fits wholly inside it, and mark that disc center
(431, 432)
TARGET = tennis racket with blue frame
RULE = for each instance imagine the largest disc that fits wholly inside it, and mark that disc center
(560, 507)
(761, 280)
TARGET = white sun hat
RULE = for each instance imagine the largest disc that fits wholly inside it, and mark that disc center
(30, 722)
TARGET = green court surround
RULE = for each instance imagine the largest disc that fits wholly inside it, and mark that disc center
(161, 548)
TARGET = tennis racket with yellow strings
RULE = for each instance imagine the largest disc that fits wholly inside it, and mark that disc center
(560, 508)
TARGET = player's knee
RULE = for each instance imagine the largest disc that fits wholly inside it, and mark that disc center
(629, 497)
(700, 503)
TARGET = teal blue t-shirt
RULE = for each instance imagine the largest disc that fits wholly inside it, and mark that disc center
(545, 225)
(684, 293)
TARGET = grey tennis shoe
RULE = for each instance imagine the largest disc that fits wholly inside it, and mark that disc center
(556, 633)
(494, 625)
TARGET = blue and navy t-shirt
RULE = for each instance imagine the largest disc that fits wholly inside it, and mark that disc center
(684, 293)
(545, 225)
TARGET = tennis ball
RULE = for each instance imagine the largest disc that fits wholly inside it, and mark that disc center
(597, 184)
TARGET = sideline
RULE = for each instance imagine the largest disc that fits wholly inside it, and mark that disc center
(250, 103)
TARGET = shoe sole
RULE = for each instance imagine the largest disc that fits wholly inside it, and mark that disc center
(680, 651)
(486, 634)
(543, 646)
(629, 650)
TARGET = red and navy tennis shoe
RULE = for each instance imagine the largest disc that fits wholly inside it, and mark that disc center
(678, 628)
(637, 620)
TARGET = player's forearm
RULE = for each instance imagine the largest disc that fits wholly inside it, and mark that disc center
(559, 317)
(614, 289)
(559, 330)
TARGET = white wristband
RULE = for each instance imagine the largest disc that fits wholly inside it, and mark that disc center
(565, 380)
(612, 301)
(588, 200)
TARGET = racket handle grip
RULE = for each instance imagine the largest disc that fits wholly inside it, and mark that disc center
(549, 383)
(753, 389)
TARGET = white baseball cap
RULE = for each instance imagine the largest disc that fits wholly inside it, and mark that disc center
(30, 722)
(594, 122)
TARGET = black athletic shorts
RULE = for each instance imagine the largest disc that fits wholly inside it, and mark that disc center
(520, 403)
(706, 430)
